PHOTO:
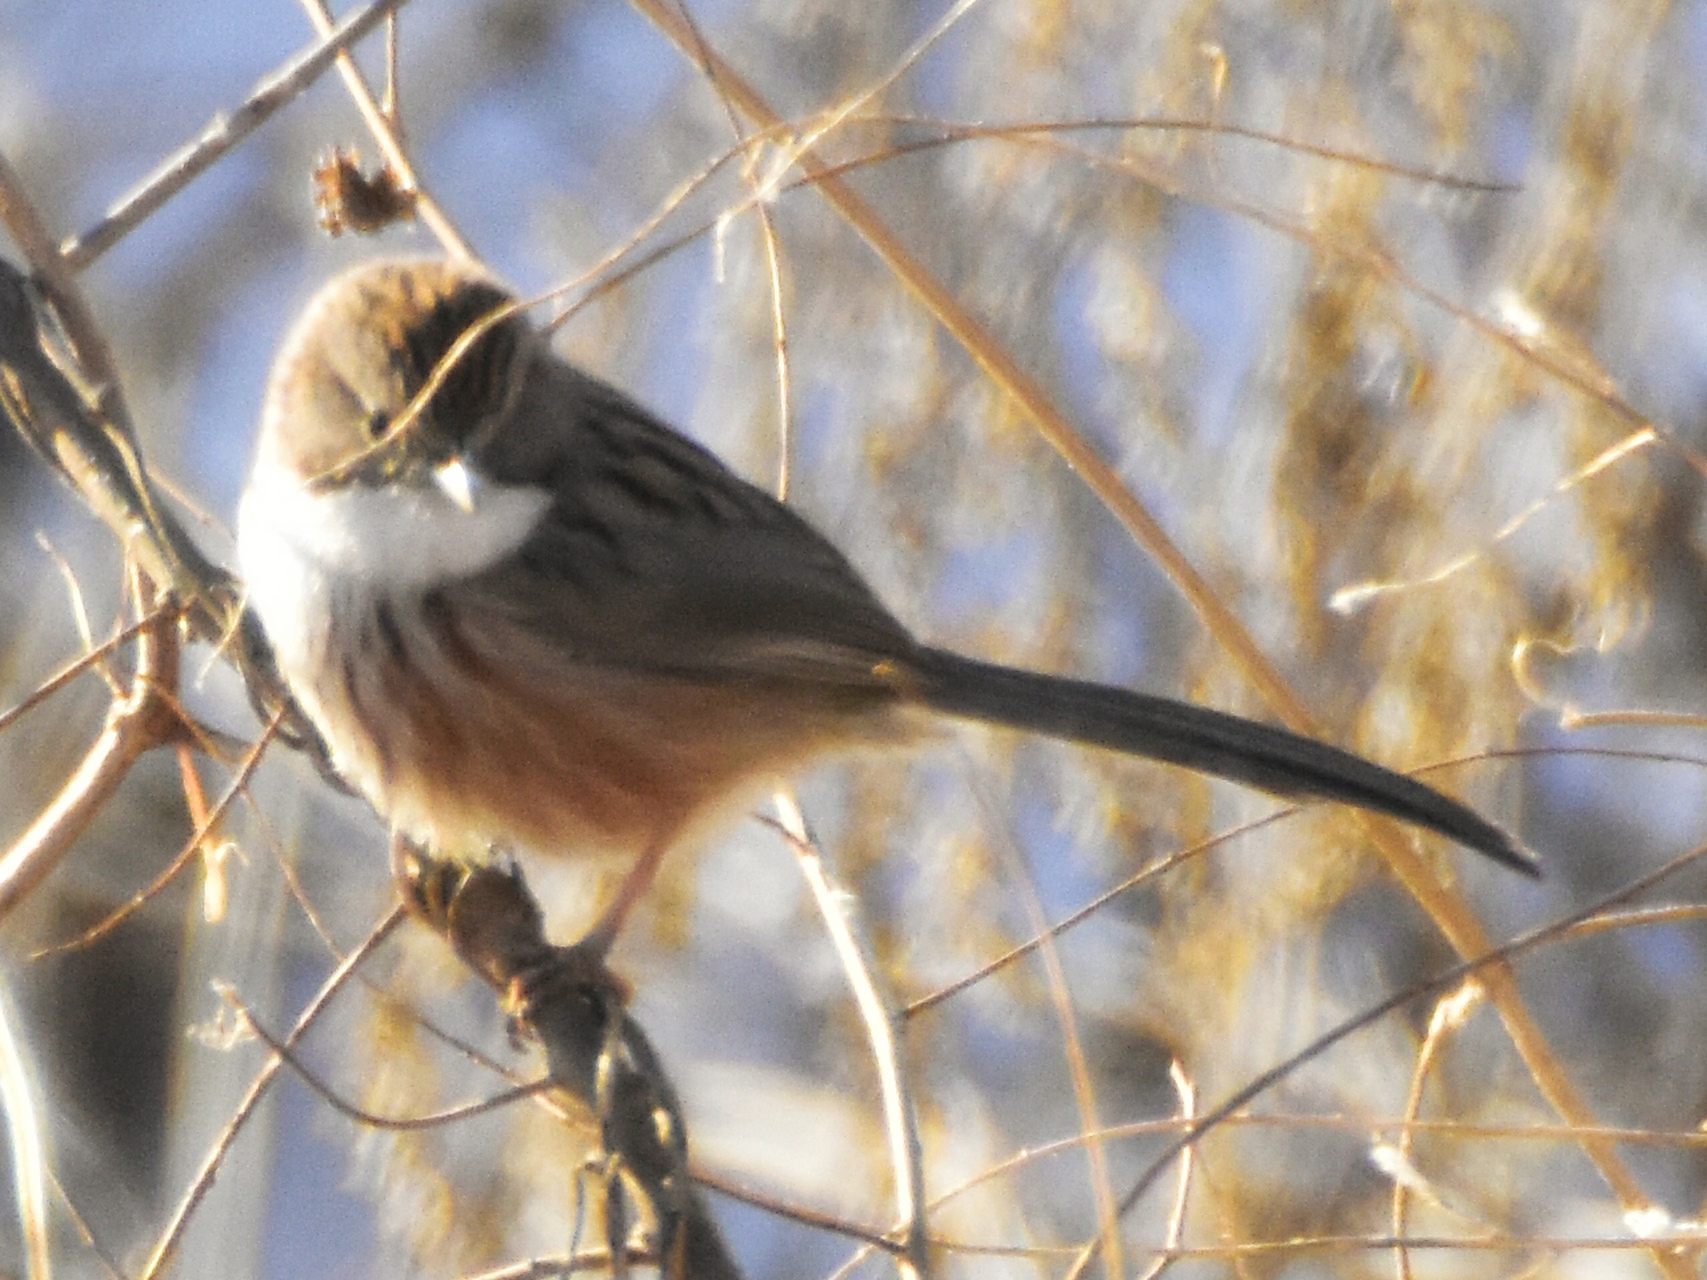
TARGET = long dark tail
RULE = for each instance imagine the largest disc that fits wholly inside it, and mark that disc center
(1258, 755)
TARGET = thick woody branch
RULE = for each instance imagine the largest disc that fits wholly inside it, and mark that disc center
(593, 1049)
(62, 418)
(59, 390)
(97, 456)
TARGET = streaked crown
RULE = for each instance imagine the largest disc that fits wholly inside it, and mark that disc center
(341, 402)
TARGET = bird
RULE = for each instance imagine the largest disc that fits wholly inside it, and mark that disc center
(526, 614)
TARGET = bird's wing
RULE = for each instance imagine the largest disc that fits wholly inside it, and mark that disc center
(654, 555)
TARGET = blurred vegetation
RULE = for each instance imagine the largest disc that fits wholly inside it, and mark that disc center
(1407, 294)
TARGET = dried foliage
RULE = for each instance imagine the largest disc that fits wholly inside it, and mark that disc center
(1334, 362)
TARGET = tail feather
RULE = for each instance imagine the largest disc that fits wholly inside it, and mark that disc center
(1258, 755)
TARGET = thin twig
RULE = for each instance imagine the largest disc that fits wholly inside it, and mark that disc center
(383, 123)
(203, 1181)
(113, 919)
(21, 1101)
(1187, 1166)
(773, 265)
(1692, 1139)
(1450, 1013)
(1072, 1043)
(1496, 960)
(962, 131)
(362, 1116)
(141, 721)
(222, 133)
(79, 610)
(882, 1027)
(869, 1236)
(86, 1233)
(83, 662)
(1143, 875)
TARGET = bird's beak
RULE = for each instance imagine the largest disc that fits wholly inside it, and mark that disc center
(457, 482)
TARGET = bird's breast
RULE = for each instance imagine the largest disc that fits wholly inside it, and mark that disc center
(465, 727)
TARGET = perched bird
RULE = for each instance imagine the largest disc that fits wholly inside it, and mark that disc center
(525, 613)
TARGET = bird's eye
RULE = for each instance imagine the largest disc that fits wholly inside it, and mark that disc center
(378, 423)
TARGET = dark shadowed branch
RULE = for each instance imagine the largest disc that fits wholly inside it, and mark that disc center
(593, 1049)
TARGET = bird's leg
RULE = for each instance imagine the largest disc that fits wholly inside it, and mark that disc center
(581, 966)
(596, 943)
(436, 891)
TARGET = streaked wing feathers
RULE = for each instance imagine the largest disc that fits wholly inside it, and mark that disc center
(655, 555)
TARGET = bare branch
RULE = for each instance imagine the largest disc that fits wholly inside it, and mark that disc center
(1496, 960)
(198, 1189)
(883, 1028)
(71, 670)
(97, 456)
(330, 1096)
(384, 124)
(142, 721)
(593, 1049)
(191, 850)
(222, 134)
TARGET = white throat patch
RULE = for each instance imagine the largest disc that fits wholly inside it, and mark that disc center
(296, 547)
